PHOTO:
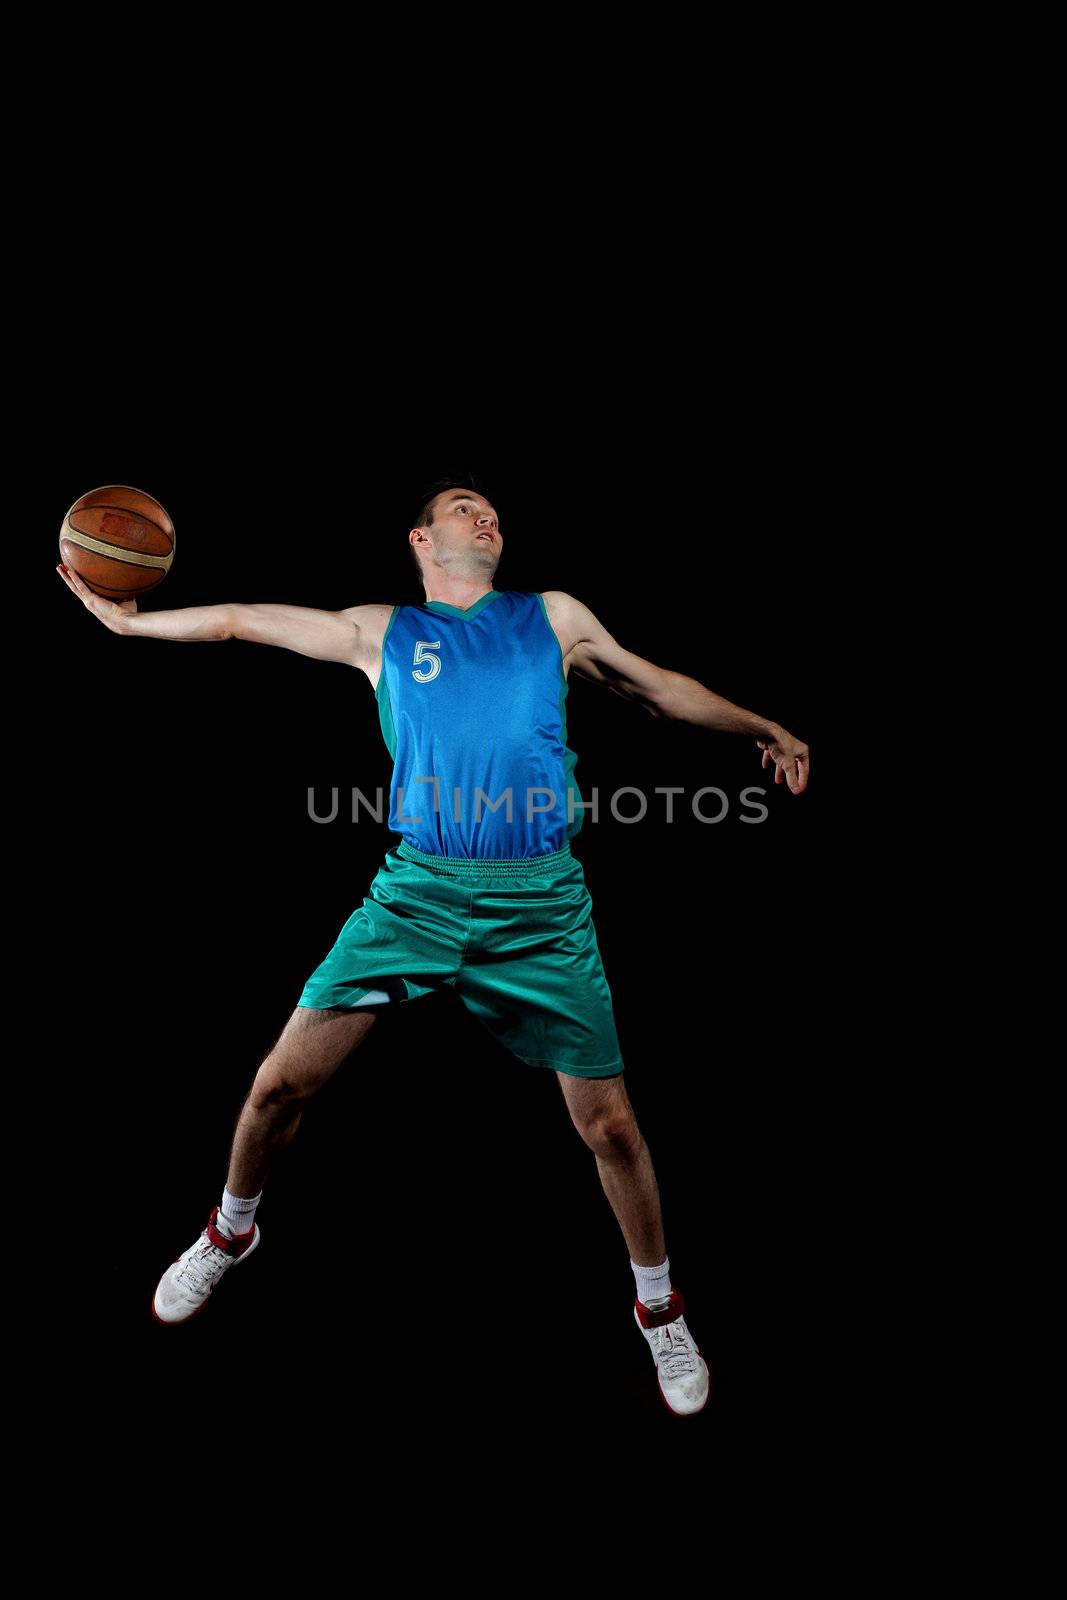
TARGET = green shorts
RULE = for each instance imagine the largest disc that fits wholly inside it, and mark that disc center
(515, 939)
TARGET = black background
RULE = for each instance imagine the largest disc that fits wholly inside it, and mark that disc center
(436, 1246)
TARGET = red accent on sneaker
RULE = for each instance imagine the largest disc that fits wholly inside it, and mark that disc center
(674, 1309)
(233, 1247)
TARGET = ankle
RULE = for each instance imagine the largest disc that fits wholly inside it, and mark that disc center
(653, 1284)
(237, 1213)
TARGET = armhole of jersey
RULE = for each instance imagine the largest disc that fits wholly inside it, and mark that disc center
(388, 630)
(571, 760)
(552, 631)
(381, 693)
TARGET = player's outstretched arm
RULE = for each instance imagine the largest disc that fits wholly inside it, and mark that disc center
(326, 635)
(596, 655)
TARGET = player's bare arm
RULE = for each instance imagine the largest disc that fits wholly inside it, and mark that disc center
(591, 652)
(352, 636)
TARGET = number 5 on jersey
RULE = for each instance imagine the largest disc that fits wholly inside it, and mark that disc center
(423, 648)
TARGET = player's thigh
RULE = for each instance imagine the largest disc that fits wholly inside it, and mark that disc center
(310, 1048)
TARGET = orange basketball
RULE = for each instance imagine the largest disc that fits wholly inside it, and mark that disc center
(119, 541)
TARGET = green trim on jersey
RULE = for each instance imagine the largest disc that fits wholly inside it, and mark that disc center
(570, 759)
(381, 694)
(471, 611)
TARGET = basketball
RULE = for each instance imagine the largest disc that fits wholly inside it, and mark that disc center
(119, 541)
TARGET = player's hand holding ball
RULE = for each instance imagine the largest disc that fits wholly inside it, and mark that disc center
(112, 613)
(115, 542)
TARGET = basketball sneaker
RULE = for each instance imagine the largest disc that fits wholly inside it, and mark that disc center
(191, 1278)
(681, 1371)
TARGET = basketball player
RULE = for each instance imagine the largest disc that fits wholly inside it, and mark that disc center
(482, 894)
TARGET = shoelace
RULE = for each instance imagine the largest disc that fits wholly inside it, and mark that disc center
(203, 1266)
(674, 1354)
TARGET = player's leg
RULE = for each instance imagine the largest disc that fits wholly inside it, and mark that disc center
(310, 1048)
(312, 1045)
(601, 1111)
(400, 943)
(533, 974)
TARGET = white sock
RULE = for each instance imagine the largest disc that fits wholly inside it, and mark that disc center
(653, 1284)
(237, 1213)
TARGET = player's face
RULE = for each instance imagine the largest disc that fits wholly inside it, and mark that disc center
(465, 532)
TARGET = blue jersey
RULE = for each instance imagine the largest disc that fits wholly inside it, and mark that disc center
(472, 705)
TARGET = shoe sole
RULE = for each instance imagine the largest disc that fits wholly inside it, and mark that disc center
(659, 1387)
(178, 1322)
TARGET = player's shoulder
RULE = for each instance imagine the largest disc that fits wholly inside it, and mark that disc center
(558, 599)
(370, 617)
(565, 607)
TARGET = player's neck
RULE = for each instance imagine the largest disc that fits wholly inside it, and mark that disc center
(458, 592)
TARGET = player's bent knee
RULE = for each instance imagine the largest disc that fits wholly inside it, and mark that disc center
(274, 1088)
(313, 1044)
(616, 1131)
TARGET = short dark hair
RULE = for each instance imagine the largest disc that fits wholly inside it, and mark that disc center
(428, 494)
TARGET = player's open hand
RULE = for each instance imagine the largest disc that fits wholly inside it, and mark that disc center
(111, 613)
(791, 762)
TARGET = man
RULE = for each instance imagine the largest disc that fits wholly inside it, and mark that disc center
(482, 895)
